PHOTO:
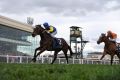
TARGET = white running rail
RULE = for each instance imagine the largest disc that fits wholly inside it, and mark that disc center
(48, 60)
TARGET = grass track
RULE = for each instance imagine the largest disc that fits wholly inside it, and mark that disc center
(58, 72)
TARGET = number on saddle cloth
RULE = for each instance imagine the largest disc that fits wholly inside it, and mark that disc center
(56, 43)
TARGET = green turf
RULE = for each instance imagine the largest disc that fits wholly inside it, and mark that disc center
(58, 72)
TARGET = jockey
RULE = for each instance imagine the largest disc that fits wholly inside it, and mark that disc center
(112, 36)
(50, 29)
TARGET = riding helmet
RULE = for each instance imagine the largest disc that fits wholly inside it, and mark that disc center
(46, 25)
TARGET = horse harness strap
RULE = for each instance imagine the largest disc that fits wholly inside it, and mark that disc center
(43, 31)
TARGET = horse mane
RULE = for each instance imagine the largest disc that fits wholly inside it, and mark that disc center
(39, 25)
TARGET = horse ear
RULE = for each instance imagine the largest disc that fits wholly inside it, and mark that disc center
(103, 34)
(39, 24)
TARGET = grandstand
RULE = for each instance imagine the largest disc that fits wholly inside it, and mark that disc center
(15, 37)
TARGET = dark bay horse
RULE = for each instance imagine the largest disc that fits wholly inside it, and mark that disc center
(109, 48)
(46, 43)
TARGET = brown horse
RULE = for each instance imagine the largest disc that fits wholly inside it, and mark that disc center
(46, 43)
(109, 48)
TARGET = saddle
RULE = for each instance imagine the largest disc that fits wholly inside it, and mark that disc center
(56, 43)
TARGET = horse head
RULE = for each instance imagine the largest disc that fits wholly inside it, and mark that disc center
(102, 38)
(37, 30)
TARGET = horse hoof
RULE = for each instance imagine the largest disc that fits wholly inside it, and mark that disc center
(34, 60)
(51, 63)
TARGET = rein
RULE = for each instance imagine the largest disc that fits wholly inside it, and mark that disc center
(47, 34)
(43, 31)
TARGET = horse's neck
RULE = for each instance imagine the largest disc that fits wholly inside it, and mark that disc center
(108, 42)
(45, 36)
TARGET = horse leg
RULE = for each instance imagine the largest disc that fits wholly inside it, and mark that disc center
(42, 50)
(102, 56)
(111, 59)
(55, 56)
(34, 58)
(118, 55)
(65, 53)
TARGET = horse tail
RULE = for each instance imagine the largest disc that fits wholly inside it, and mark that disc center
(67, 46)
(71, 53)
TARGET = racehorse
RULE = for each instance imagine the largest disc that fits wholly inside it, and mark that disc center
(109, 48)
(46, 43)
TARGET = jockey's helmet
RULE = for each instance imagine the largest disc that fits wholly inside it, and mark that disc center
(46, 25)
(109, 31)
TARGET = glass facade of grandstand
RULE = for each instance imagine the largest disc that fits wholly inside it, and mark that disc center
(16, 42)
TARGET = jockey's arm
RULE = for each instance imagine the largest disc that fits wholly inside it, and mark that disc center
(51, 29)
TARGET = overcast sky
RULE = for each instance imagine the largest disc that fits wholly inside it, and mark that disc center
(94, 16)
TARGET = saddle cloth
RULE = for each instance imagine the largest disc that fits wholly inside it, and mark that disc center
(57, 43)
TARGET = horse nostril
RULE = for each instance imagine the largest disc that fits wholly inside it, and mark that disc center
(33, 35)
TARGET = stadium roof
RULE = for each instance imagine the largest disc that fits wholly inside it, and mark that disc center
(15, 24)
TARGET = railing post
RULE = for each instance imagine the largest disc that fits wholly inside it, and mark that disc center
(7, 59)
(92, 61)
(20, 59)
(79, 61)
(27, 59)
(73, 60)
(59, 60)
(51, 60)
(42, 60)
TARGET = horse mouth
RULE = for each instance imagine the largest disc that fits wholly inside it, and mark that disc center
(33, 35)
(98, 42)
